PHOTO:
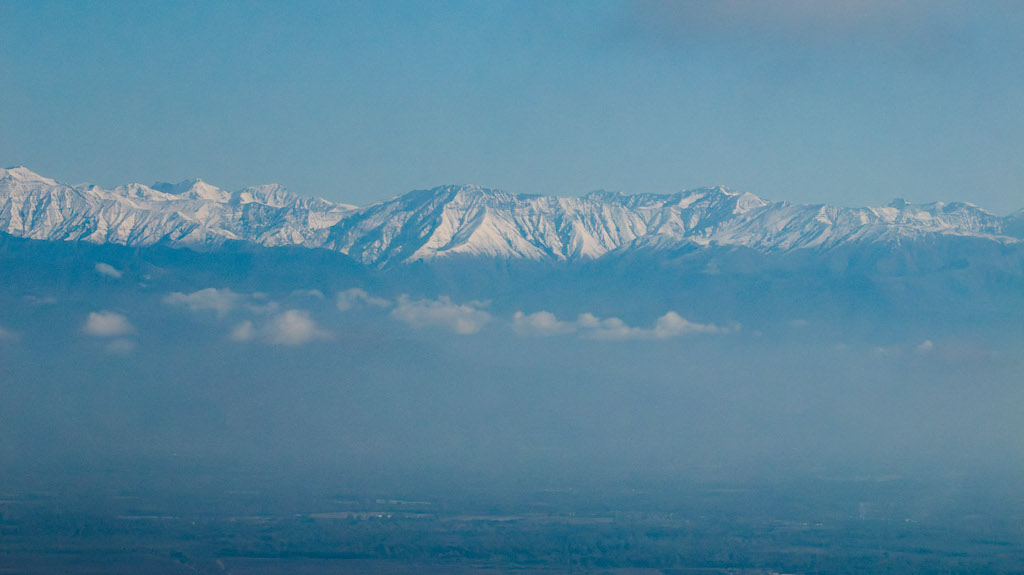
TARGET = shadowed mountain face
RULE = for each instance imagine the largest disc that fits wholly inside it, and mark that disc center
(469, 221)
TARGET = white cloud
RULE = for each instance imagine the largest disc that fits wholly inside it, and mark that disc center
(312, 293)
(244, 332)
(925, 347)
(221, 301)
(121, 346)
(541, 323)
(589, 325)
(292, 328)
(672, 324)
(107, 324)
(261, 303)
(108, 270)
(588, 320)
(607, 328)
(669, 325)
(351, 297)
(463, 319)
(36, 300)
(263, 308)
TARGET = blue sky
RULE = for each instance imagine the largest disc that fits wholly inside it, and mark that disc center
(849, 103)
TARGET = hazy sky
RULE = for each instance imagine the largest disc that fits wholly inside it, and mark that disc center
(840, 102)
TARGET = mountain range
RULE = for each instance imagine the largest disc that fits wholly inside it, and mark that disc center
(471, 221)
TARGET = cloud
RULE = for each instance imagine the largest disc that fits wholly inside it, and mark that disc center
(244, 332)
(350, 298)
(607, 328)
(221, 301)
(266, 307)
(667, 326)
(290, 328)
(542, 323)
(121, 346)
(293, 327)
(296, 327)
(311, 293)
(925, 347)
(107, 324)
(672, 324)
(463, 319)
(589, 325)
(108, 270)
(6, 335)
(36, 300)
(881, 21)
(803, 40)
(784, 13)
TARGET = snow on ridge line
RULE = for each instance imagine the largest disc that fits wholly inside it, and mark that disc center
(472, 221)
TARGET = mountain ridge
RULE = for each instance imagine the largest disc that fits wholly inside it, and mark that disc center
(473, 221)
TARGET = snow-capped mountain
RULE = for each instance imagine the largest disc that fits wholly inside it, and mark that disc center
(190, 213)
(468, 220)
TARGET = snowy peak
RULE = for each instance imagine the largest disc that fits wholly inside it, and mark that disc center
(473, 221)
(24, 176)
(470, 221)
(954, 217)
(454, 196)
(193, 189)
(142, 193)
(270, 195)
(190, 213)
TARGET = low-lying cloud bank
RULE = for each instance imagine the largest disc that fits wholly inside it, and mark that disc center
(290, 328)
(120, 346)
(221, 301)
(297, 326)
(107, 324)
(105, 269)
(111, 326)
(544, 323)
(463, 319)
(355, 297)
